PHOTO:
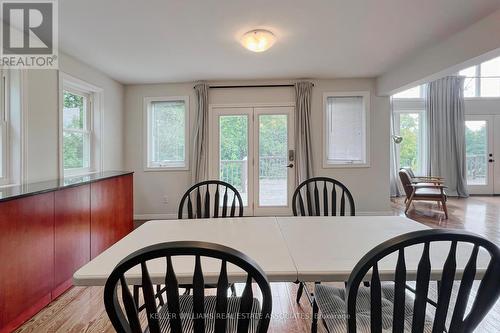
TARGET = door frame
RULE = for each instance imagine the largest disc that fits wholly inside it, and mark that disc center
(213, 153)
(490, 132)
(496, 154)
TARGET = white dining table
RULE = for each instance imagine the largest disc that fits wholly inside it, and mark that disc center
(288, 249)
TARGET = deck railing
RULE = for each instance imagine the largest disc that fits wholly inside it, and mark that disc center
(235, 171)
(477, 166)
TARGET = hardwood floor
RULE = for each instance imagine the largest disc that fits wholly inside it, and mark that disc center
(81, 309)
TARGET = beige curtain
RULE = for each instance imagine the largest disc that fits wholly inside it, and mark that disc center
(303, 145)
(446, 133)
(200, 135)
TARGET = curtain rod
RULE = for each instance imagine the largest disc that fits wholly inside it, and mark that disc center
(254, 86)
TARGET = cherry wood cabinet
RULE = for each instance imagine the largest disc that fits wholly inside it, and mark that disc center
(26, 258)
(111, 204)
(72, 234)
(48, 230)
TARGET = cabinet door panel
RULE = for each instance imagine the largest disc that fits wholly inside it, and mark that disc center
(26, 257)
(72, 233)
(111, 212)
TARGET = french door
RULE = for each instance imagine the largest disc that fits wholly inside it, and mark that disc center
(252, 149)
(482, 137)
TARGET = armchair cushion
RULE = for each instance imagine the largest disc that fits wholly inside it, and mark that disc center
(427, 192)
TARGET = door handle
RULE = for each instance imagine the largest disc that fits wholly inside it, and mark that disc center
(290, 165)
(491, 160)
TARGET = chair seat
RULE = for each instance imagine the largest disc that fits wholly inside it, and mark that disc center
(427, 192)
(333, 309)
(186, 310)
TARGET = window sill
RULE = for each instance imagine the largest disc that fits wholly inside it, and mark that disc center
(327, 165)
(160, 169)
(479, 98)
(67, 174)
(9, 185)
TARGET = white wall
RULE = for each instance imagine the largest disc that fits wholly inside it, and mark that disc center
(475, 43)
(40, 91)
(150, 187)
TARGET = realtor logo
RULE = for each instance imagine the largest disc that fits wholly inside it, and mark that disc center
(29, 34)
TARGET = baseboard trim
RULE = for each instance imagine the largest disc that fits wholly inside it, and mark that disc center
(174, 216)
(155, 217)
(378, 213)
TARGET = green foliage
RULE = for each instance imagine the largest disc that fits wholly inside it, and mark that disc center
(168, 125)
(234, 147)
(74, 150)
(273, 135)
(476, 141)
(476, 150)
(233, 138)
(409, 147)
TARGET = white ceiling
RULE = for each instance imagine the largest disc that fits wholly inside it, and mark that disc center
(154, 41)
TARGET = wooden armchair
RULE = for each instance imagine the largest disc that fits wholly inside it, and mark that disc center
(422, 191)
(423, 179)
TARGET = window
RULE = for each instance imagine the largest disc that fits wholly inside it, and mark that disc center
(11, 129)
(410, 125)
(77, 133)
(490, 78)
(4, 129)
(471, 82)
(80, 127)
(482, 80)
(167, 133)
(346, 129)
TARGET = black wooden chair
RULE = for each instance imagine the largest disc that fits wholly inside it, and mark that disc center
(390, 307)
(323, 196)
(188, 313)
(331, 201)
(203, 193)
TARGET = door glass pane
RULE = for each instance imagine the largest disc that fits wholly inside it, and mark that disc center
(410, 148)
(273, 157)
(476, 139)
(233, 153)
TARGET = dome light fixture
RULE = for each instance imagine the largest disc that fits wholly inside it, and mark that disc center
(258, 40)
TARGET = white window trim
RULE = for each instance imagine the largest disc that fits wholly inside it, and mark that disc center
(94, 119)
(367, 148)
(146, 127)
(5, 178)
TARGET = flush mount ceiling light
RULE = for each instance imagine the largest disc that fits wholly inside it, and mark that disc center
(258, 40)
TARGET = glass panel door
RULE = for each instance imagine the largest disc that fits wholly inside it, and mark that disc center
(251, 148)
(233, 153)
(479, 154)
(231, 150)
(274, 170)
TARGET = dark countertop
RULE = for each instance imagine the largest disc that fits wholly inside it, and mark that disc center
(19, 191)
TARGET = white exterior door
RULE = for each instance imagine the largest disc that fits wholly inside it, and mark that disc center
(480, 153)
(252, 149)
